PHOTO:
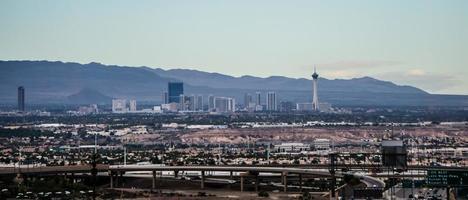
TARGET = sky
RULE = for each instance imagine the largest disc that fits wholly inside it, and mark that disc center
(423, 43)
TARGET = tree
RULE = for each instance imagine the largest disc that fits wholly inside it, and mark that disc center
(155, 160)
(305, 196)
(263, 194)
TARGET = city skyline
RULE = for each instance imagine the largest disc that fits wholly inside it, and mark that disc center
(412, 44)
(267, 99)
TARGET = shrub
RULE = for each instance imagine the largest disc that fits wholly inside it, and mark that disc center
(263, 194)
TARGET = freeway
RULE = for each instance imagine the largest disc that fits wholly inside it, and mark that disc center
(85, 168)
(369, 167)
(52, 169)
(368, 180)
(371, 180)
(284, 171)
(322, 172)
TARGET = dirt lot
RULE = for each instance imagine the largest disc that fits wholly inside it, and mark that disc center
(275, 135)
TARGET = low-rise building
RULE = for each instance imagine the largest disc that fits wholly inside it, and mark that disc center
(322, 145)
(291, 147)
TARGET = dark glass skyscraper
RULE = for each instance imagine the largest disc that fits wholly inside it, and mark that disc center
(165, 98)
(175, 90)
(21, 98)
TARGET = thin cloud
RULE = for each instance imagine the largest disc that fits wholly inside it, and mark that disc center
(416, 72)
(420, 78)
(346, 64)
(333, 74)
(348, 68)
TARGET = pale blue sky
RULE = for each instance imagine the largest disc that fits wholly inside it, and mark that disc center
(422, 43)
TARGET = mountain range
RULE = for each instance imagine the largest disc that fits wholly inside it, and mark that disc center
(74, 83)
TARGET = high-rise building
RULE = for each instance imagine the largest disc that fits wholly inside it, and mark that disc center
(21, 98)
(119, 105)
(315, 102)
(224, 104)
(165, 98)
(175, 89)
(211, 103)
(232, 105)
(258, 98)
(271, 101)
(182, 102)
(191, 103)
(247, 100)
(133, 106)
(199, 103)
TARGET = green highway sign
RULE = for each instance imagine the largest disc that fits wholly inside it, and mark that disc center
(444, 178)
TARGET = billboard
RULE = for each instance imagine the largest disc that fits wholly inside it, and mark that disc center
(394, 154)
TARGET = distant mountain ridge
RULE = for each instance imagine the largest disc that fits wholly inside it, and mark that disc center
(216, 80)
(61, 82)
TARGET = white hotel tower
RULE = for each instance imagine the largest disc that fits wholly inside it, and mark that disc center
(315, 103)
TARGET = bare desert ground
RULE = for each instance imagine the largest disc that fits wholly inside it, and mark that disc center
(278, 135)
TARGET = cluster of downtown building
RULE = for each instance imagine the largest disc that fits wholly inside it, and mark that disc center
(175, 100)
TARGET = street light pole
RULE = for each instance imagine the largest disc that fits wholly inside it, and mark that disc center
(95, 143)
(94, 164)
(125, 155)
(332, 169)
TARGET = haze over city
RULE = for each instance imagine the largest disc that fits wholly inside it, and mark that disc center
(253, 100)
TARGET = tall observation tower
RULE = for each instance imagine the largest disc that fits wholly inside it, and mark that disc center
(315, 96)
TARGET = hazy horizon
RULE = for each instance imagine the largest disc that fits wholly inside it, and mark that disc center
(236, 76)
(416, 43)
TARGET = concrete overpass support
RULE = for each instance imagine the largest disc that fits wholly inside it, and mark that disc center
(153, 186)
(121, 179)
(73, 177)
(202, 180)
(111, 179)
(284, 177)
(242, 183)
(300, 182)
(242, 178)
(257, 180)
(116, 179)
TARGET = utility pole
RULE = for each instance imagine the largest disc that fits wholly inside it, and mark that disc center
(94, 174)
(268, 153)
(125, 155)
(95, 143)
(448, 193)
(94, 167)
(19, 160)
(332, 170)
(220, 152)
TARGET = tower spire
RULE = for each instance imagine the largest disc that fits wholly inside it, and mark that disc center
(314, 93)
